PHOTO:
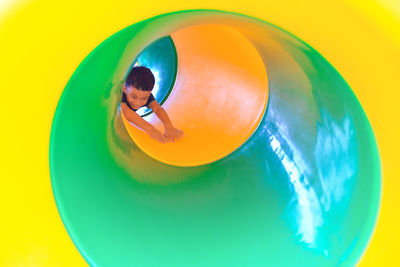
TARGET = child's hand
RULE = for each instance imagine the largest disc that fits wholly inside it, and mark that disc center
(172, 133)
(154, 133)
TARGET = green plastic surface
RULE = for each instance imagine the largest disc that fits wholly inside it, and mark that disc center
(304, 190)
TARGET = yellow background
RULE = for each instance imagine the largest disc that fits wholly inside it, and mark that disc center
(43, 42)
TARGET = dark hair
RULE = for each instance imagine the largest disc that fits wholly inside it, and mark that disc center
(140, 77)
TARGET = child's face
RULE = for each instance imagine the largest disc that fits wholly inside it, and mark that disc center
(136, 98)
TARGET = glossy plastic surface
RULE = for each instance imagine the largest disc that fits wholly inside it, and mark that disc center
(304, 189)
(218, 99)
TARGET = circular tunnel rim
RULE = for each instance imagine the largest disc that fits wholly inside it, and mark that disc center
(254, 127)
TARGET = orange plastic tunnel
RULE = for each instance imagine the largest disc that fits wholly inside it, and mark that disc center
(218, 99)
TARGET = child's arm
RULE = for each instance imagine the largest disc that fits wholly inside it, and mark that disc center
(171, 132)
(133, 117)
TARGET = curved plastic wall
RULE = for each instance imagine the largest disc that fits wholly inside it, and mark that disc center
(306, 184)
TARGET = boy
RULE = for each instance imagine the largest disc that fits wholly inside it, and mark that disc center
(136, 94)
